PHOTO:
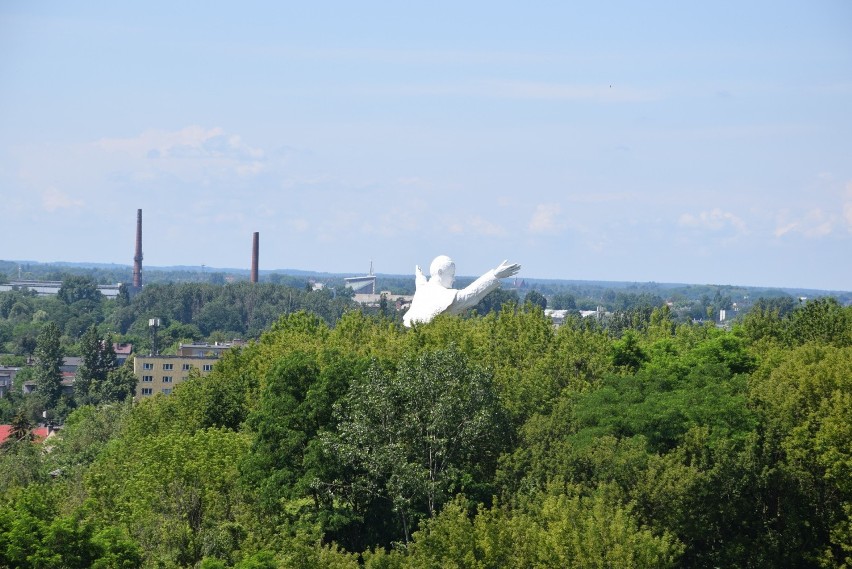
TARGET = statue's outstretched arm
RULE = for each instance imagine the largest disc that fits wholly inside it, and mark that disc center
(470, 296)
(506, 270)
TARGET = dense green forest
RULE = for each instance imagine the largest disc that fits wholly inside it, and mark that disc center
(346, 440)
(189, 312)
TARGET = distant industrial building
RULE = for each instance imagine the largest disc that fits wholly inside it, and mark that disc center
(398, 301)
(362, 285)
(49, 288)
(558, 316)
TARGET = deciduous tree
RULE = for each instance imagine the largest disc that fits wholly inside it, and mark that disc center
(49, 358)
(536, 299)
(76, 288)
(417, 435)
(97, 360)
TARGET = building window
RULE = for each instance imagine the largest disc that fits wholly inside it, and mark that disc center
(208, 367)
(187, 367)
(147, 378)
(167, 379)
(147, 391)
(168, 366)
(147, 365)
(167, 390)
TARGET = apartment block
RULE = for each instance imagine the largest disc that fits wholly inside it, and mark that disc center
(160, 374)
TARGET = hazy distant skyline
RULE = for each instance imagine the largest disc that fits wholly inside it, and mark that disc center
(620, 142)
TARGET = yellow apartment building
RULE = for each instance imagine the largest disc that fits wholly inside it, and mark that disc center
(160, 374)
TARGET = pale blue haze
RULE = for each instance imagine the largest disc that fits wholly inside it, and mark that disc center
(654, 141)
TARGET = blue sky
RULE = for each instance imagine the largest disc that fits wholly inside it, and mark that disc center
(657, 141)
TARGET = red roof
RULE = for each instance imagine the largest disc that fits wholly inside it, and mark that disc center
(5, 431)
(39, 433)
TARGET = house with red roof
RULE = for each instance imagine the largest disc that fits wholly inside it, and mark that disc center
(39, 433)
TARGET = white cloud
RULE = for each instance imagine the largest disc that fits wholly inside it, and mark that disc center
(785, 228)
(824, 211)
(547, 219)
(156, 143)
(52, 199)
(189, 143)
(714, 220)
(815, 223)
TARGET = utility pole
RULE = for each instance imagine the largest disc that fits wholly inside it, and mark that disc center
(153, 325)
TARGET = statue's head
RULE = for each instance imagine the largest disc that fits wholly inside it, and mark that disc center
(443, 269)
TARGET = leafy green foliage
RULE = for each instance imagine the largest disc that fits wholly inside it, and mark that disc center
(495, 300)
(34, 534)
(49, 358)
(171, 492)
(803, 398)
(536, 299)
(416, 436)
(340, 439)
(564, 301)
(85, 434)
(824, 321)
(295, 405)
(559, 528)
(97, 378)
(76, 288)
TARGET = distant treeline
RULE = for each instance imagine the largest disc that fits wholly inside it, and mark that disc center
(198, 311)
(189, 312)
(248, 311)
(599, 292)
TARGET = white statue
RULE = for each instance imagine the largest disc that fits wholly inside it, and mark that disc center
(436, 295)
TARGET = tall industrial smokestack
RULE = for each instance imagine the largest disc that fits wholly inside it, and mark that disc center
(255, 253)
(137, 259)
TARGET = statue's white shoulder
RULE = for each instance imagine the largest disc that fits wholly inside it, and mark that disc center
(430, 300)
